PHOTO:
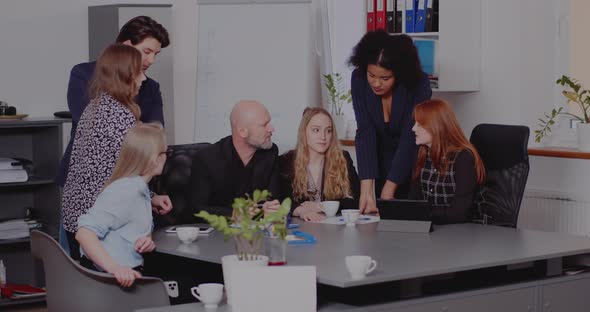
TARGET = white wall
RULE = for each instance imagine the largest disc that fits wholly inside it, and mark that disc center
(42, 40)
(523, 53)
(522, 57)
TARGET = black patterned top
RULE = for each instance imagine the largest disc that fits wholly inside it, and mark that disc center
(96, 147)
(450, 194)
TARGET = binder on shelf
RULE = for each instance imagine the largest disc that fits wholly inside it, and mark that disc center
(426, 50)
(420, 16)
(370, 15)
(429, 13)
(390, 16)
(400, 6)
(380, 15)
(434, 15)
(410, 16)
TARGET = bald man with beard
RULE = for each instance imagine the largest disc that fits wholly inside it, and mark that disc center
(238, 164)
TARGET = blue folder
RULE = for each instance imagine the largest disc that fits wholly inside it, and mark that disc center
(419, 22)
(410, 15)
(426, 55)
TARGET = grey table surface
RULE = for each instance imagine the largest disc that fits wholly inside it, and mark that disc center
(199, 307)
(448, 249)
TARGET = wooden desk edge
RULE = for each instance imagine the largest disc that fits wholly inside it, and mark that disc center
(560, 152)
(347, 142)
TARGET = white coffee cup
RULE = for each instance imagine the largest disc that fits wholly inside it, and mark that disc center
(330, 207)
(187, 234)
(210, 294)
(360, 266)
(350, 216)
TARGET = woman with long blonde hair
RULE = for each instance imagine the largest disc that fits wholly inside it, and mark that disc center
(448, 169)
(317, 169)
(100, 132)
(117, 229)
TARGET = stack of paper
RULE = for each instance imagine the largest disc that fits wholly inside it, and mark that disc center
(14, 229)
(11, 170)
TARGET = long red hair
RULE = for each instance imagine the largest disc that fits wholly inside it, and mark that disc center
(437, 117)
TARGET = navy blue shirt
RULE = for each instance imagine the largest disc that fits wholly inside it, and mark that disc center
(149, 100)
(386, 151)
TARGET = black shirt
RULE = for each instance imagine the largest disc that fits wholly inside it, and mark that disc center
(450, 194)
(219, 175)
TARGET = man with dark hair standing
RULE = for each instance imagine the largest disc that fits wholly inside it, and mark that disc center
(148, 37)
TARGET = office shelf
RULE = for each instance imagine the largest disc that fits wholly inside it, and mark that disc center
(15, 241)
(5, 302)
(31, 181)
(38, 140)
(457, 55)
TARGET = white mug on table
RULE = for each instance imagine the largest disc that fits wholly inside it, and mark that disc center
(360, 266)
(209, 293)
(350, 216)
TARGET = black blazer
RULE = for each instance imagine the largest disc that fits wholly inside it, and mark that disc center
(287, 174)
(214, 184)
(386, 151)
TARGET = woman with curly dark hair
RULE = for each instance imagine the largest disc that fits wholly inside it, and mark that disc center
(386, 84)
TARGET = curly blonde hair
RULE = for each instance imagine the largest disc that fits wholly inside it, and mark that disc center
(336, 182)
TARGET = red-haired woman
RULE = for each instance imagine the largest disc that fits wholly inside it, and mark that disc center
(448, 169)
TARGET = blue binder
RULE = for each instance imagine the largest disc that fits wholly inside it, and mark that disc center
(420, 19)
(410, 15)
(426, 55)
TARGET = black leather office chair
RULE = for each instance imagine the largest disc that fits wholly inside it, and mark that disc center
(503, 149)
(175, 182)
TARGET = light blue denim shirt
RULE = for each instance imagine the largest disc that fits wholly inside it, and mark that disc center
(120, 216)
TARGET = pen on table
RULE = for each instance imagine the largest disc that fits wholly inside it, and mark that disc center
(359, 218)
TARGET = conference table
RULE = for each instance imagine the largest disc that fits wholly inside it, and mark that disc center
(530, 263)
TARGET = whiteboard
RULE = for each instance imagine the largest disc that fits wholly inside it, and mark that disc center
(260, 51)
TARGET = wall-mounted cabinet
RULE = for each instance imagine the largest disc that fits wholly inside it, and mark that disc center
(457, 52)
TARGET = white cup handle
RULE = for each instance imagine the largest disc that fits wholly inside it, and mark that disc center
(372, 266)
(195, 293)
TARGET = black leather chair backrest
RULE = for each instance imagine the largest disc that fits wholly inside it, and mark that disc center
(175, 182)
(504, 152)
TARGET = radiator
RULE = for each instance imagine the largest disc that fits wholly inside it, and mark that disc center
(554, 212)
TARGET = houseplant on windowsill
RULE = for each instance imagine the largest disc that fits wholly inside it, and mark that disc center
(337, 97)
(578, 99)
(247, 227)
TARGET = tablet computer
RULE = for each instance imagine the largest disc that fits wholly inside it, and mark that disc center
(404, 209)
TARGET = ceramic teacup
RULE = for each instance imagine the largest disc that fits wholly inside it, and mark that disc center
(359, 266)
(350, 216)
(330, 207)
(209, 293)
(187, 234)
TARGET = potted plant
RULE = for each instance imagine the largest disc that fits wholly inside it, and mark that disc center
(247, 227)
(337, 97)
(577, 96)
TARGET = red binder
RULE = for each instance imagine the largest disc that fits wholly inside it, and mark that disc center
(380, 16)
(371, 15)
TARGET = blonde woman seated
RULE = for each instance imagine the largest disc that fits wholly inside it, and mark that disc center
(317, 169)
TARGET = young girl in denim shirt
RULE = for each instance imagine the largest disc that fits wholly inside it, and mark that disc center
(117, 229)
